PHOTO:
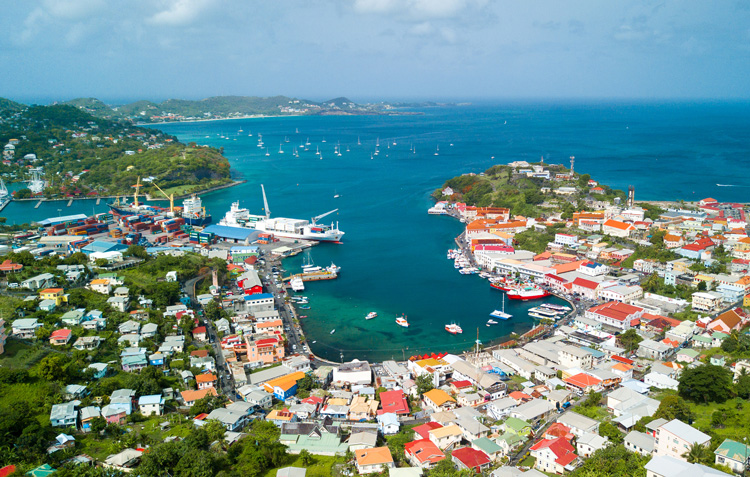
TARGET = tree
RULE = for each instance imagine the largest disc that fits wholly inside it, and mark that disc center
(98, 424)
(672, 407)
(215, 430)
(707, 383)
(50, 368)
(424, 383)
(629, 340)
(593, 400)
(742, 388)
(196, 464)
(24, 193)
(306, 458)
(607, 429)
(136, 251)
(613, 461)
(699, 454)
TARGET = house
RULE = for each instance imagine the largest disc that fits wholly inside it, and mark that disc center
(394, 402)
(207, 380)
(284, 386)
(423, 453)
(733, 454)
(438, 400)
(86, 343)
(60, 337)
(687, 355)
(589, 443)
(660, 381)
(25, 328)
(362, 409)
(354, 372)
(586, 383)
(654, 350)
(255, 395)
(119, 303)
(388, 423)
(73, 317)
(706, 301)
(468, 458)
(675, 438)
(726, 322)
(554, 455)
(616, 228)
(533, 411)
(151, 405)
(616, 314)
(264, 350)
(87, 414)
(39, 281)
(189, 397)
(489, 447)
(54, 294)
(667, 466)
(578, 424)
(446, 436)
(517, 426)
(124, 461)
(373, 460)
(232, 419)
(639, 442)
(101, 285)
(123, 399)
(575, 357)
(63, 415)
(99, 369)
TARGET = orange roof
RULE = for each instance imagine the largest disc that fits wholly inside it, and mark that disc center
(479, 224)
(438, 396)
(616, 224)
(205, 378)
(582, 380)
(190, 395)
(284, 382)
(100, 281)
(52, 290)
(622, 367)
(374, 456)
(569, 267)
(283, 415)
(269, 324)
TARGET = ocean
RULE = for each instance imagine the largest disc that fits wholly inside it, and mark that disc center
(393, 256)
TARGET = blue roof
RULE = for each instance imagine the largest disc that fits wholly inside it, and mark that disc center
(152, 250)
(595, 352)
(60, 220)
(100, 246)
(244, 248)
(233, 233)
(258, 296)
(150, 399)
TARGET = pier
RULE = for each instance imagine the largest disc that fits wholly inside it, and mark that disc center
(313, 276)
(70, 202)
(5, 203)
(98, 201)
(38, 204)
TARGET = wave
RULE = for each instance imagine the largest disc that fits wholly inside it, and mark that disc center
(731, 185)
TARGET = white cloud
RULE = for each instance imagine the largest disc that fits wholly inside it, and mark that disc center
(73, 9)
(418, 10)
(180, 12)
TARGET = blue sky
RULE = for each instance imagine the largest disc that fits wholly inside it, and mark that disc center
(375, 49)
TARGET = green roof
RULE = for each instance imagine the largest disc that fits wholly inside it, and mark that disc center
(688, 352)
(41, 471)
(719, 335)
(488, 446)
(511, 439)
(516, 424)
(327, 443)
(733, 450)
(702, 339)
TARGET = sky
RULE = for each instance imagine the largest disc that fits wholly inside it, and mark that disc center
(372, 50)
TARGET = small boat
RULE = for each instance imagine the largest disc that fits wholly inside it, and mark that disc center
(371, 315)
(303, 316)
(304, 307)
(314, 341)
(491, 322)
(501, 313)
(401, 321)
(437, 151)
(453, 329)
(267, 153)
(333, 331)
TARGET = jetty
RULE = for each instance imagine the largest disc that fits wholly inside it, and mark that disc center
(98, 200)
(313, 276)
(38, 204)
(70, 202)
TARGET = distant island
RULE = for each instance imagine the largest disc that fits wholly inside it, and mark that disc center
(62, 151)
(229, 107)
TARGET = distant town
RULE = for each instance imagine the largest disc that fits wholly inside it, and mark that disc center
(148, 342)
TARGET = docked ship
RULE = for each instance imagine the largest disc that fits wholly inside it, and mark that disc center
(297, 284)
(282, 226)
(192, 209)
(501, 314)
(527, 293)
(371, 315)
(401, 321)
(453, 329)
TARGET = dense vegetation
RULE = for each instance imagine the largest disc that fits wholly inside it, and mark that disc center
(83, 155)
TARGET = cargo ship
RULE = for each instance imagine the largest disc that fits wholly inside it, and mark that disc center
(192, 209)
(282, 226)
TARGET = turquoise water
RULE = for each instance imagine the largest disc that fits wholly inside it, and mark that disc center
(393, 255)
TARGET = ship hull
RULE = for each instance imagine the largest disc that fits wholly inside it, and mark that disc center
(527, 296)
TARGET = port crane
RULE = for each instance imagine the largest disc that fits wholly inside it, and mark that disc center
(170, 197)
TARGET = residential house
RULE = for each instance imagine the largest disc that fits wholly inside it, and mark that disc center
(189, 397)
(517, 426)
(362, 409)
(438, 400)
(423, 453)
(87, 414)
(446, 436)
(25, 328)
(468, 458)
(533, 411)
(667, 466)
(151, 405)
(706, 301)
(119, 303)
(575, 357)
(616, 314)
(639, 442)
(660, 381)
(63, 415)
(39, 281)
(675, 438)
(206, 380)
(578, 424)
(727, 322)
(60, 337)
(54, 294)
(373, 460)
(589, 443)
(388, 423)
(87, 343)
(554, 455)
(583, 382)
(101, 285)
(654, 350)
(733, 454)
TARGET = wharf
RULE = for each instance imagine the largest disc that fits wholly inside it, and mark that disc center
(38, 204)
(313, 276)
(70, 202)
(5, 203)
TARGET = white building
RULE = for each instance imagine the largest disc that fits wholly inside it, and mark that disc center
(675, 438)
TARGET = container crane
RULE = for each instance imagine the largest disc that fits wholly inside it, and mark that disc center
(170, 197)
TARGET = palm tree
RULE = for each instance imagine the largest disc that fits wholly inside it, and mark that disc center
(698, 454)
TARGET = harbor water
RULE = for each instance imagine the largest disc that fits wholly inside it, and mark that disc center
(393, 256)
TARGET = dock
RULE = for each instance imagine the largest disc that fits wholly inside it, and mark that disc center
(98, 200)
(313, 276)
(38, 204)
(70, 202)
(5, 203)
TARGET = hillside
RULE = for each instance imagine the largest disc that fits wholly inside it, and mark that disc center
(82, 155)
(9, 105)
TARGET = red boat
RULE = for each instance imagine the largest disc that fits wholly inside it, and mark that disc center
(527, 293)
(500, 286)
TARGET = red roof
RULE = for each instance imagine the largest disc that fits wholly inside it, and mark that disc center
(616, 310)
(205, 378)
(461, 384)
(562, 449)
(471, 458)
(621, 359)
(559, 429)
(424, 450)
(394, 401)
(617, 224)
(699, 245)
(199, 353)
(8, 266)
(582, 282)
(424, 429)
(199, 330)
(7, 470)
(582, 380)
(60, 334)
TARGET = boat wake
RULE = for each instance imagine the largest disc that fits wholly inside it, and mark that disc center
(731, 185)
